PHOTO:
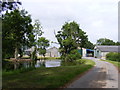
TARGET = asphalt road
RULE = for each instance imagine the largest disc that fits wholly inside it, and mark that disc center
(103, 75)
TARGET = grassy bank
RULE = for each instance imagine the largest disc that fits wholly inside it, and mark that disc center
(48, 58)
(27, 57)
(115, 63)
(45, 77)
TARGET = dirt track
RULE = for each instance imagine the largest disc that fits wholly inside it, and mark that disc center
(103, 75)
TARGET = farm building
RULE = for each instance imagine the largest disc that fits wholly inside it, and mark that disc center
(101, 51)
(86, 52)
(52, 52)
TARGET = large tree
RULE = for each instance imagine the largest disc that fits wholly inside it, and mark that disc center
(17, 31)
(89, 45)
(70, 38)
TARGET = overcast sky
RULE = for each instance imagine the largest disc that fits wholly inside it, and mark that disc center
(98, 18)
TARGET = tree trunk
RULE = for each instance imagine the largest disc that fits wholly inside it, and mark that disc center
(16, 53)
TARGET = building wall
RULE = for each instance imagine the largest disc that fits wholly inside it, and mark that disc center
(97, 53)
(103, 55)
(84, 52)
(100, 54)
(53, 52)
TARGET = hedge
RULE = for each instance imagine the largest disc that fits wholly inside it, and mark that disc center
(113, 56)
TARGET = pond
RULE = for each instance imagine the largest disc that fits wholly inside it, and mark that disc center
(27, 64)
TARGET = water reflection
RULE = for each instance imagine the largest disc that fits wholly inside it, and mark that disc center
(36, 64)
(51, 63)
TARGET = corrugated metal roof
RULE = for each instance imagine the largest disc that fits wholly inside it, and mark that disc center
(108, 48)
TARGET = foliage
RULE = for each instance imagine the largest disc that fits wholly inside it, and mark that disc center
(117, 43)
(42, 51)
(17, 32)
(9, 4)
(105, 41)
(113, 56)
(89, 45)
(37, 30)
(70, 38)
(77, 62)
(73, 55)
(33, 55)
(43, 43)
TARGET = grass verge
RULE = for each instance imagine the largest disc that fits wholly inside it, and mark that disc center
(116, 63)
(49, 58)
(54, 77)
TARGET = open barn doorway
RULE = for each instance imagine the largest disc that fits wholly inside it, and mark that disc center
(89, 53)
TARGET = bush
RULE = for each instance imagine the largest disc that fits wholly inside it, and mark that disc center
(81, 61)
(113, 56)
(73, 63)
(74, 55)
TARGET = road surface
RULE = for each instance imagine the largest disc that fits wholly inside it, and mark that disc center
(103, 75)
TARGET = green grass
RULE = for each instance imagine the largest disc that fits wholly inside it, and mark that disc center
(54, 77)
(49, 58)
(116, 63)
(41, 57)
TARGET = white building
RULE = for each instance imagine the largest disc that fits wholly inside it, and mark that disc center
(101, 51)
(52, 52)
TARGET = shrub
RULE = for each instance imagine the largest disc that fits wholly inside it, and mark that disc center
(81, 61)
(73, 63)
(73, 55)
(113, 56)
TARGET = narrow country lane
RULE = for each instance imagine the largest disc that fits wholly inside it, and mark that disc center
(103, 75)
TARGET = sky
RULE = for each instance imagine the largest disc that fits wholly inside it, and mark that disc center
(98, 18)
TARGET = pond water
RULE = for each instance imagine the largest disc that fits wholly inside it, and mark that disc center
(28, 64)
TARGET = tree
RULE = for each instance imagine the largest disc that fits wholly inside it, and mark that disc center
(89, 45)
(117, 43)
(43, 43)
(17, 31)
(105, 41)
(70, 38)
(37, 29)
(9, 5)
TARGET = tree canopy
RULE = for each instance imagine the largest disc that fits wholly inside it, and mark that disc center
(89, 45)
(43, 43)
(17, 31)
(70, 38)
(37, 29)
(105, 41)
(9, 5)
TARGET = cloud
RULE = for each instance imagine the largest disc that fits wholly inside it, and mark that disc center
(96, 17)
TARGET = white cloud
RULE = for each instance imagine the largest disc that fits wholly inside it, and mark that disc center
(96, 17)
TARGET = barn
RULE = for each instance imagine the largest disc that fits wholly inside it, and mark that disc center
(101, 51)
